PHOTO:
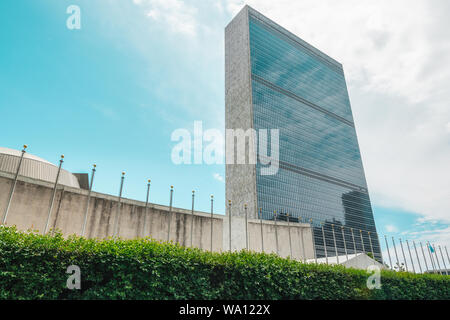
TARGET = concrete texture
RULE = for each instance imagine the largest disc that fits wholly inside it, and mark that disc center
(31, 202)
(240, 178)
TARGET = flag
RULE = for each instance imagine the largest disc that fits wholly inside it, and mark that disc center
(431, 248)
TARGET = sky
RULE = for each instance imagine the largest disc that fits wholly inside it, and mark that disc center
(113, 91)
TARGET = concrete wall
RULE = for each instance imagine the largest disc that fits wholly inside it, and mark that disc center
(240, 178)
(275, 237)
(31, 202)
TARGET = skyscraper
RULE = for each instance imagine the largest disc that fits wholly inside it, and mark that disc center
(275, 80)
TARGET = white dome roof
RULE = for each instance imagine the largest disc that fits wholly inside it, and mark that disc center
(34, 167)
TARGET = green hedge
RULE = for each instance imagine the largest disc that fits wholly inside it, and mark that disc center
(34, 267)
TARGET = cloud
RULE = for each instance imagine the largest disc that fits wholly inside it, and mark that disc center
(218, 177)
(176, 15)
(391, 228)
(397, 65)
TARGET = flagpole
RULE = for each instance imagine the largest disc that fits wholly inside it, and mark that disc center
(417, 255)
(146, 208)
(324, 244)
(410, 256)
(371, 247)
(403, 253)
(53, 194)
(389, 254)
(170, 213)
(396, 255)
(335, 246)
(431, 257)
(437, 259)
(355, 252)
(276, 231)
(443, 261)
(424, 256)
(119, 204)
(13, 186)
(212, 221)
(229, 222)
(289, 231)
(313, 239)
(448, 259)
(362, 241)
(303, 241)
(192, 216)
(261, 224)
(345, 244)
(246, 226)
(88, 200)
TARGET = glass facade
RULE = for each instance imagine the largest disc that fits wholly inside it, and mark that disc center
(303, 93)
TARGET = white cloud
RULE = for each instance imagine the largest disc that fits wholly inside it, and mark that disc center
(218, 177)
(177, 15)
(396, 56)
(391, 228)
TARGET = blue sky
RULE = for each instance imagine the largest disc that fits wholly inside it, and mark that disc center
(112, 93)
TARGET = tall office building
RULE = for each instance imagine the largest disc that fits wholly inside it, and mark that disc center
(275, 80)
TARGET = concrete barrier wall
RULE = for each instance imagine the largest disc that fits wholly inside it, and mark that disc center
(31, 202)
(299, 247)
